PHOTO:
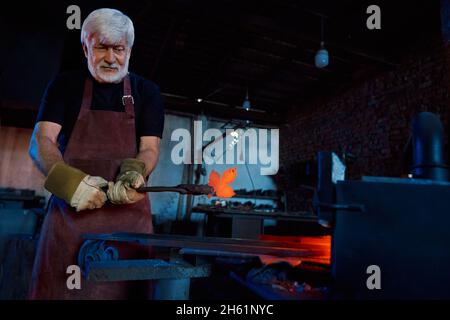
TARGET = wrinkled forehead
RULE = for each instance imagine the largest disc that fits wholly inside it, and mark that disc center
(107, 39)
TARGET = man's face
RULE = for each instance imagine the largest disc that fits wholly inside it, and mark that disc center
(107, 62)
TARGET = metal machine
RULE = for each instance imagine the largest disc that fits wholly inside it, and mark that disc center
(400, 227)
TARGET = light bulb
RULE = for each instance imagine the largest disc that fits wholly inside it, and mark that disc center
(321, 58)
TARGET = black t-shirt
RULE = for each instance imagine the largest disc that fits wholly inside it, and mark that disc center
(61, 103)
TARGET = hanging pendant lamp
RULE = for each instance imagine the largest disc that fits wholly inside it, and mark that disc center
(321, 58)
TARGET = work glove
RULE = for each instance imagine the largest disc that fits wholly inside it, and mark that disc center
(130, 177)
(77, 188)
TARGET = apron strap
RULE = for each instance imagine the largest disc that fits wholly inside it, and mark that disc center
(87, 98)
(127, 98)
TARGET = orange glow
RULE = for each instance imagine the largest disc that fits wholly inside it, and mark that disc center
(221, 186)
(320, 248)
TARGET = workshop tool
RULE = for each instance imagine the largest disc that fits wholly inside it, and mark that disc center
(192, 189)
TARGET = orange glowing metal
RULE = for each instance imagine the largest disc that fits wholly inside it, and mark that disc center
(221, 185)
(319, 247)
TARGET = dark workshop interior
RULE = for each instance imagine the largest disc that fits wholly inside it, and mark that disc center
(344, 193)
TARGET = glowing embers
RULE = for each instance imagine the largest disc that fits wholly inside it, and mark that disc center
(220, 185)
(318, 248)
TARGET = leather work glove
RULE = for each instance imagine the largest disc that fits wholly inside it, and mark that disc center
(130, 177)
(77, 188)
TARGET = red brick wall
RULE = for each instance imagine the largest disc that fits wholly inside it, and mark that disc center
(370, 118)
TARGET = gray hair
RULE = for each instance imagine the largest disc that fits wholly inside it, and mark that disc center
(110, 24)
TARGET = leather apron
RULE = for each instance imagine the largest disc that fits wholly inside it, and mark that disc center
(99, 142)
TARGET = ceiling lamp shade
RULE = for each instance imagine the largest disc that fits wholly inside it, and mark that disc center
(246, 104)
(321, 58)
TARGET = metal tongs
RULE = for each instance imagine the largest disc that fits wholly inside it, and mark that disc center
(192, 189)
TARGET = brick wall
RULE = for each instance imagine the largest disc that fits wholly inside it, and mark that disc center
(370, 119)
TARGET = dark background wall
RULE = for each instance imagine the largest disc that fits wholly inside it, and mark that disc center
(29, 69)
(369, 118)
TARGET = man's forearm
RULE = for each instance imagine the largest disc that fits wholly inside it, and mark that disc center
(45, 153)
(150, 158)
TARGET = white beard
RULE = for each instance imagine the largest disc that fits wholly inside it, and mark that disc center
(98, 72)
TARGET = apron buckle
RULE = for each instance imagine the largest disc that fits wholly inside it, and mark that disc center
(127, 97)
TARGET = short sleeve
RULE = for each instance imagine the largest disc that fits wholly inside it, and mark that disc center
(151, 120)
(52, 103)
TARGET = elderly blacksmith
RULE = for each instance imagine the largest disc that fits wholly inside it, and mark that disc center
(101, 127)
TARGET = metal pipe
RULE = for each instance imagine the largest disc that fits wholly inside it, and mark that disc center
(428, 150)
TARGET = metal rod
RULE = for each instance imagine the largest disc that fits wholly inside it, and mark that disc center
(192, 189)
(227, 245)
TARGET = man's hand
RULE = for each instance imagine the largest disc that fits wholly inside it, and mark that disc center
(122, 193)
(131, 177)
(77, 188)
(88, 194)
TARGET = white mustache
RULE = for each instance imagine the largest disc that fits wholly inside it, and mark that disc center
(100, 72)
(107, 65)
